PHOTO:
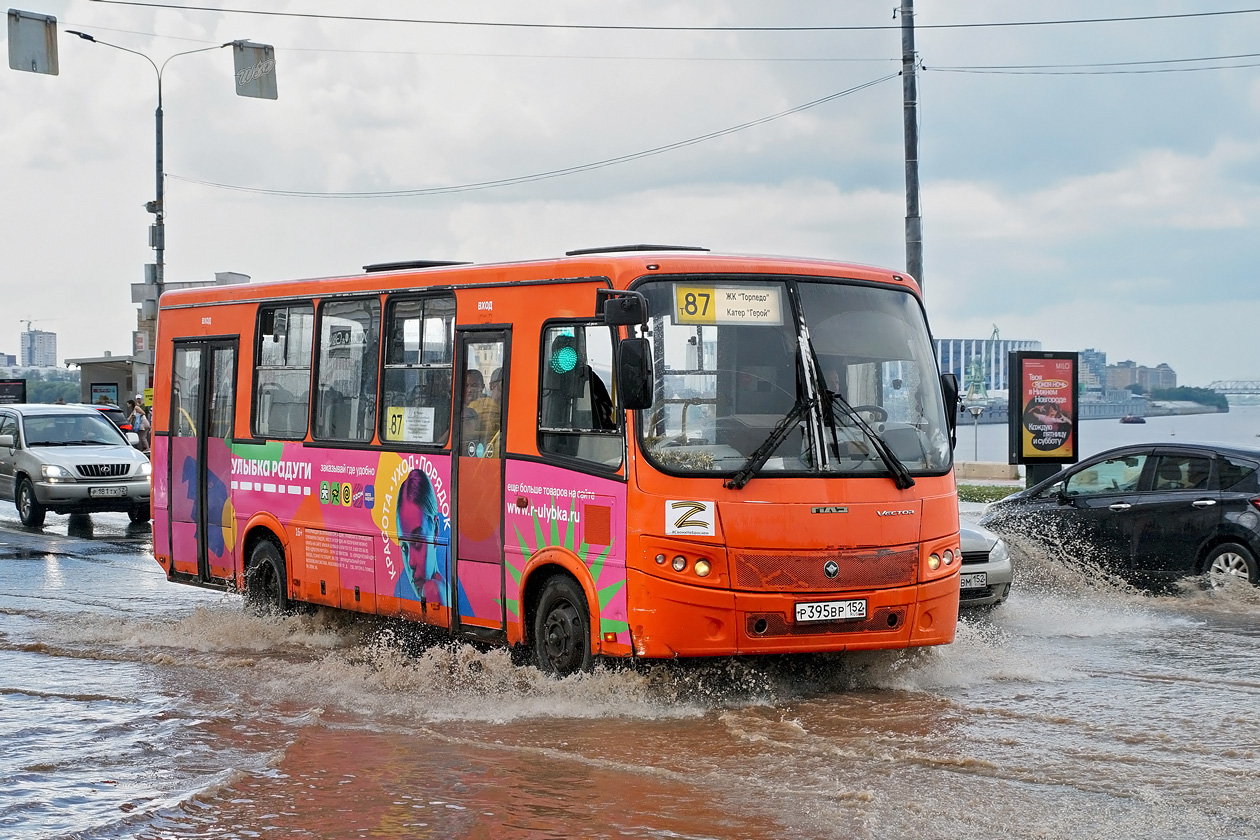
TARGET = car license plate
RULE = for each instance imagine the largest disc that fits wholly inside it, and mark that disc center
(831, 610)
(974, 580)
(97, 492)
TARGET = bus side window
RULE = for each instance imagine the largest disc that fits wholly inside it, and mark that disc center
(576, 414)
(419, 368)
(345, 405)
(282, 360)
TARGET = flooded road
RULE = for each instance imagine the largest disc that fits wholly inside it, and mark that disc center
(135, 708)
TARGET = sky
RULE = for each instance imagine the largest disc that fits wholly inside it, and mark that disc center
(1083, 206)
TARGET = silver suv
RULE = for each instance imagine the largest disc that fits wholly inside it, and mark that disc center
(69, 459)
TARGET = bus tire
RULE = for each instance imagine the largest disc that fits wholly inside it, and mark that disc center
(30, 511)
(265, 592)
(562, 628)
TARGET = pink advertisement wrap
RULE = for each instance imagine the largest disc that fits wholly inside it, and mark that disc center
(369, 525)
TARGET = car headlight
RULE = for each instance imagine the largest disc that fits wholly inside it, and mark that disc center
(145, 469)
(54, 471)
(999, 552)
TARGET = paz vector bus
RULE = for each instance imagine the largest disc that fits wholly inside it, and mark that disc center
(638, 452)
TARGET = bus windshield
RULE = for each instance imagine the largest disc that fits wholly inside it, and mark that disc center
(744, 362)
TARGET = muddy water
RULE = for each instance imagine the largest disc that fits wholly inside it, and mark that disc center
(130, 707)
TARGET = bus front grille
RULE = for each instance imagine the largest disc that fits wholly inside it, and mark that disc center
(807, 571)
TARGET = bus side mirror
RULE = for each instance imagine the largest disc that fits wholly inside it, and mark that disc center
(634, 374)
(621, 309)
(949, 387)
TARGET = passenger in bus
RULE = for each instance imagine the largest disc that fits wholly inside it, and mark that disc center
(489, 411)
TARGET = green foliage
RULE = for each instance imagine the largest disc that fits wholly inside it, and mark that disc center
(41, 391)
(985, 492)
(1203, 396)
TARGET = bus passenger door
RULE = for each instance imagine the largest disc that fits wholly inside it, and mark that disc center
(203, 405)
(477, 454)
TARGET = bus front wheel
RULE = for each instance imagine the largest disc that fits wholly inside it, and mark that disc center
(265, 591)
(562, 629)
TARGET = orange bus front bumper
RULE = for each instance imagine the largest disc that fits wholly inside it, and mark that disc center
(669, 619)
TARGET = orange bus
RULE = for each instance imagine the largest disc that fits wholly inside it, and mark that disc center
(644, 451)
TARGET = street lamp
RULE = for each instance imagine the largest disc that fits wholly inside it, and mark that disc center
(976, 411)
(257, 80)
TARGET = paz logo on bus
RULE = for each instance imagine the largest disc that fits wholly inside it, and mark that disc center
(829, 509)
(690, 517)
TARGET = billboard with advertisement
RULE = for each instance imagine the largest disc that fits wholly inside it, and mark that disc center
(12, 390)
(1044, 421)
(104, 392)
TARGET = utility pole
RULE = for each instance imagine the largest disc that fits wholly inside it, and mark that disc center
(910, 115)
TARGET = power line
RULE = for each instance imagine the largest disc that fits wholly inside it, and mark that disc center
(658, 28)
(541, 176)
(542, 56)
(1122, 68)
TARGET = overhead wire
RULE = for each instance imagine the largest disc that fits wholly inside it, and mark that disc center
(669, 28)
(1101, 68)
(540, 176)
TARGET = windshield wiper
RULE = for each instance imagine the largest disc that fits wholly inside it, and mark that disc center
(762, 454)
(83, 443)
(900, 475)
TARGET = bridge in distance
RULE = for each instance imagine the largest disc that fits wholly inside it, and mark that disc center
(1236, 386)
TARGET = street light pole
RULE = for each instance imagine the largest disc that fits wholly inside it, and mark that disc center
(157, 234)
(976, 411)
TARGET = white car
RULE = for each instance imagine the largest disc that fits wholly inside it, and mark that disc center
(986, 567)
(70, 459)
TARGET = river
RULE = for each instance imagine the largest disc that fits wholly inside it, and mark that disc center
(135, 708)
(1240, 425)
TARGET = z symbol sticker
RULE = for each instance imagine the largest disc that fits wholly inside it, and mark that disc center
(691, 518)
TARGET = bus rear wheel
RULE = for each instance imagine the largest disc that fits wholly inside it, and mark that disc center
(265, 591)
(562, 629)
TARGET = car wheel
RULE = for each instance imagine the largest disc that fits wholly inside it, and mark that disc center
(265, 591)
(562, 629)
(138, 515)
(1230, 561)
(30, 511)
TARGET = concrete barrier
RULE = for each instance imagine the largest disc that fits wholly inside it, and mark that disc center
(986, 471)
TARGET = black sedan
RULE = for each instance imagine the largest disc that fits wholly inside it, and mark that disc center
(1148, 512)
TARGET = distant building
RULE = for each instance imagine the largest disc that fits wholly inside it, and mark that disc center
(986, 357)
(1093, 371)
(1126, 373)
(38, 349)
(7, 360)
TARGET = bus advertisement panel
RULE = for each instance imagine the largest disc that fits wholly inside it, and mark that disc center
(653, 455)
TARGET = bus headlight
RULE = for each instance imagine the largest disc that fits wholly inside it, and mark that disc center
(680, 563)
(703, 568)
(934, 561)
